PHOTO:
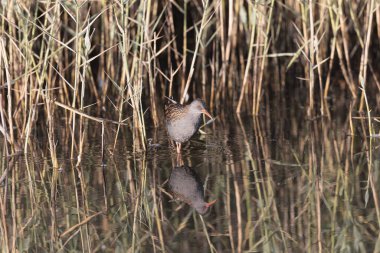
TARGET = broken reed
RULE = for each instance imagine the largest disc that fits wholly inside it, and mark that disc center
(118, 59)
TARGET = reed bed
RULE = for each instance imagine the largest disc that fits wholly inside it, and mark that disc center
(119, 59)
(82, 86)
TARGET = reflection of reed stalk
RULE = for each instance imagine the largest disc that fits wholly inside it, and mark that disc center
(370, 180)
(66, 63)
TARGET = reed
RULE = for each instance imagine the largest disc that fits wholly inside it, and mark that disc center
(105, 58)
(74, 71)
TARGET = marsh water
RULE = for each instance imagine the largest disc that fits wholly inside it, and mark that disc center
(282, 183)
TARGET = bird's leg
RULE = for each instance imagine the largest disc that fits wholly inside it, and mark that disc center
(179, 160)
(178, 144)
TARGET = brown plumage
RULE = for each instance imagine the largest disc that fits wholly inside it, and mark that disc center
(183, 121)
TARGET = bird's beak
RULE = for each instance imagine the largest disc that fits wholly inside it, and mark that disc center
(210, 203)
(204, 111)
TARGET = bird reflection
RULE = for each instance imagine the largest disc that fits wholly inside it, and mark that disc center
(186, 186)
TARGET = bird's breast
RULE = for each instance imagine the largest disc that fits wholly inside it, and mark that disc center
(181, 130)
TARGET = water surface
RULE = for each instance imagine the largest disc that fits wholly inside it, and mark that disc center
(283, 183)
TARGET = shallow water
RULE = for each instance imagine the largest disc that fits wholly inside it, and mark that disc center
(281, 183)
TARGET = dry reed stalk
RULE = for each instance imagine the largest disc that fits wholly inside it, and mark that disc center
(318, 57)
(184, 48)
(249, 59)
(71, 229)
(256, 106)
(345, 41)
(5, 65)
(365, 56)
(3, 127)
(334, 28)
(206, 17)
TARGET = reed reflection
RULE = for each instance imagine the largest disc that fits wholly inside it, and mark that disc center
(186, 186)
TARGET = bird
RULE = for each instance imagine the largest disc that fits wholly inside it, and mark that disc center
(183, 121)
(186, 186)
